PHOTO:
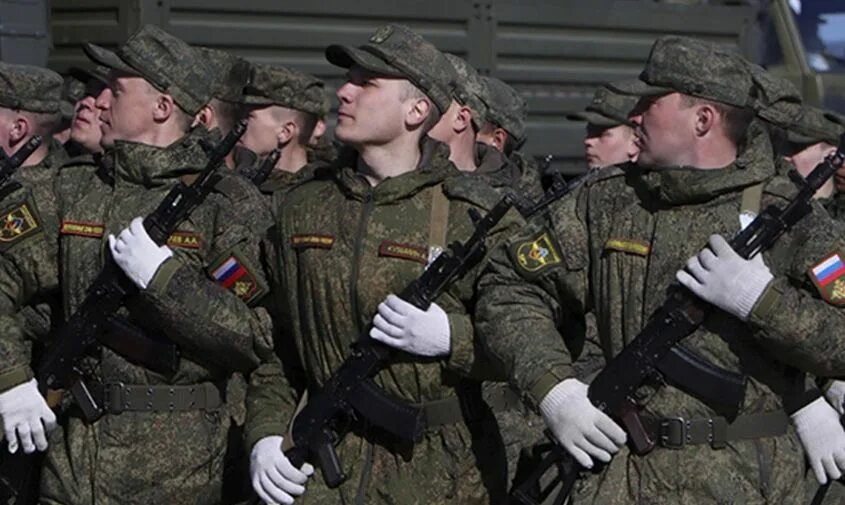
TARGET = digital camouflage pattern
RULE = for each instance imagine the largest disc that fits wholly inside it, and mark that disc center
(502, 173)
(607, 108)
(29, 88)
(28, 264)
(231, 74)
(286, 87)
(506, 107)
(693, 67)
(341, 246)
(397, 51)
(166, 62)
(469, 89)
(119, 458)
(613, 248)
(814, 125)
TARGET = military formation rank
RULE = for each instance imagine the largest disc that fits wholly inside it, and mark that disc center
(828, 275)
(536, 254)
(233, 274)
(17, 224)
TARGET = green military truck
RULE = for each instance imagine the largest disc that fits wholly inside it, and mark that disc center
(555, 52)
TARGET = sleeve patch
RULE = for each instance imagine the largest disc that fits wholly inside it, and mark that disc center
(232, 274)
(82, 229)
(185, 240)
(404, 251)
(536, 254)
(312, 240)
(18, 223)
(828, 275)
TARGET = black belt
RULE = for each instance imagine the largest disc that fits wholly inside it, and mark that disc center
(117, 397)
(677, 432)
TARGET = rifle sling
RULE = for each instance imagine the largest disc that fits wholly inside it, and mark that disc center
(439, 221)
(678, 432)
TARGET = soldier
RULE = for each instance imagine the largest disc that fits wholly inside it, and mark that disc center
(161, 437)
(29, 105)
(615, 245)
(504, 129)
(814, 135)
(231, 74)
(343, 242)
(610, 132)
(284, 107)
(85, 130)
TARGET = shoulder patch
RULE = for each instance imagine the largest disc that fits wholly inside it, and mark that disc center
(17, 223)
(627, 245)
(410, 252)
(233, 273)
(828, 275)
(536, 253)
(185, 240)
(312, 240)
(82, 229)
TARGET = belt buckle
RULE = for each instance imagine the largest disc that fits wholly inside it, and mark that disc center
(114, 401)
(673, 432)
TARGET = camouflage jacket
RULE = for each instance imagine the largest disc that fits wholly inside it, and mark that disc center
(199, 298)
(28, 264)
(530, 185)
(613, 248)
(340, 247)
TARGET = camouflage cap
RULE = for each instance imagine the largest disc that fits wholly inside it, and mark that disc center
(29, 88)
(506, 107)
(286, 87)
(775, 99)
(397, 51)
(231, 74)
(815, 125)
(166, 62)
(607, 109)
(469, 89)
(693, 67)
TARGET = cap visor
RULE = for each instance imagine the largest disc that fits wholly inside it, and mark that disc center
(346, 57)
(107, 58)
(638, 88)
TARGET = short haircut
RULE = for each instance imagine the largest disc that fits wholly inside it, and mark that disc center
(511, 144)
(228, 113)
(736, 119)
(307, 121)
(45, 123)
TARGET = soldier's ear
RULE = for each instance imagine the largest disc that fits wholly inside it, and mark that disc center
(418, 112)
(20, 129)
(463, 119)
(500, 138)
(288, 131)
(164, 108)
(705, 118)
(319, 131)
(205, 117)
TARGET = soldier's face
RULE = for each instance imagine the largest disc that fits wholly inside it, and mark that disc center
(372, 108)
(85, 128)
(606, 146)
(126, 109)
(666, 131)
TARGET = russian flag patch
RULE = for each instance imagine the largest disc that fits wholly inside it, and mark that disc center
(828, 275)
(232, 274)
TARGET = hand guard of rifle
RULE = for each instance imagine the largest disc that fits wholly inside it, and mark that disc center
(314, 431)
(613, 389)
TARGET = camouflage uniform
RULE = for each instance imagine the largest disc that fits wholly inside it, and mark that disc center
(613, 247)
(340, 247)
(28, 254)
(162, 438)
(607, 109)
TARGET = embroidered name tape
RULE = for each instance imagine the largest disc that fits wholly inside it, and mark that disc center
(306, 241)
(82, 229)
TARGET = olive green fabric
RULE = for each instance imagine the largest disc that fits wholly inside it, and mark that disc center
(333, 263)
(607, 109)
(29, 88)
(286, 87)
(506, 107)
(665, 217)
(158, 457)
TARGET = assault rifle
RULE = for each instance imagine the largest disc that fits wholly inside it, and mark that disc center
(96, 315)
(262, 172)
(351, 391)
(612, 391)
(8, 165)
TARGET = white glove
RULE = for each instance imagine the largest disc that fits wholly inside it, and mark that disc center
(26, 416)
(583, 430)
(136, 253)
(273, 476)
(720, 276)
(823, 439)
(835, 395)
(403, 326)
